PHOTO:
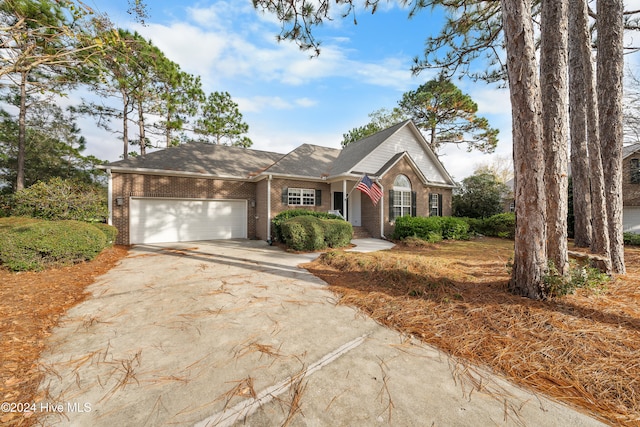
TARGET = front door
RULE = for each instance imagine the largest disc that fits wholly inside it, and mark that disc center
(338, 202)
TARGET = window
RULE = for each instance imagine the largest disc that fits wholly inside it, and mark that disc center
(435, 204)
(402, 197)
(635, 171)
(301, 197)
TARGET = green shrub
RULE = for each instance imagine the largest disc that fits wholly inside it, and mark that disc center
(276, 229)
(310, 233)
(303, 233)
(580, 276)
(36, 245)
(431, 229)
(337, 232)
(631, 239)
(110, 232)
(501, 225)
(61, 199)
(425, 228)
(454, 228)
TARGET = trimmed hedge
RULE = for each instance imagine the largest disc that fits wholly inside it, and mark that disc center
(110, 232)
(432, 229)
(310, 233)
(337, 232)
(501, 225)
(276, 229)
(29, 244)
(631, 239)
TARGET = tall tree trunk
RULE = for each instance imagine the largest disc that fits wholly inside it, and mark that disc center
(530, 255)
(578, 38)
(22, 131)
(125, 123)
(553, 83)
(141, 130)
(609, 79)
(600, 237)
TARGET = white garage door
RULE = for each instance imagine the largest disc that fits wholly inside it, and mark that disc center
(631, 219)
(181, 220)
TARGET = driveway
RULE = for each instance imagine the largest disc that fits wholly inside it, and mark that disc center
(233, 332)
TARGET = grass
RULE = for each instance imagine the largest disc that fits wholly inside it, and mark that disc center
(580, 348)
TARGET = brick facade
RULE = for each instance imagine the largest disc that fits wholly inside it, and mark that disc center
(127, 185)
(371, 214)
(630, 191)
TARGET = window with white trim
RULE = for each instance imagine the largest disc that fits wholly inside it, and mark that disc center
(301, 197)
(401, 196)
(434, 205)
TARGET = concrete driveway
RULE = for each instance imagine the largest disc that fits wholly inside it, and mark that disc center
(233, 332)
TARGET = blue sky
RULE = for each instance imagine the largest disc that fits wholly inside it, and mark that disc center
(287, 98)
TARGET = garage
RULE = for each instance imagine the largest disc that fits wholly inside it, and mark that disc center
(160, 220)
(631, 219)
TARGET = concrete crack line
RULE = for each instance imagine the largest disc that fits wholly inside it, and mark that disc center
(247, 407)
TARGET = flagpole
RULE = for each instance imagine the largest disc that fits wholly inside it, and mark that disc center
(355, 185)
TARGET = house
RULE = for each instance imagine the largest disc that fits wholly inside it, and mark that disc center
(631, 188)
(200, 191)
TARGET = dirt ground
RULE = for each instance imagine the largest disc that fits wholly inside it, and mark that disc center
(30, 306)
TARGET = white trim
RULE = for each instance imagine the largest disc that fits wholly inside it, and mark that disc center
(381, 210)
(269, 208)
(344, 200)
(109, 197)
(165, 172)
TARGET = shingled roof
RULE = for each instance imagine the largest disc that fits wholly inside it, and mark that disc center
(202, 158)
(629, 150)
(307, 160)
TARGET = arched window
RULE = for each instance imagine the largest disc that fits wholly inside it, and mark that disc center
(401, 196)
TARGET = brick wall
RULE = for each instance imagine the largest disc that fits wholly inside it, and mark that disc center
(127, 185)
(630, 192)
(371, 214)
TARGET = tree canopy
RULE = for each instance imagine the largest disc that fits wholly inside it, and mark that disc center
(481, 195)
(442, 111)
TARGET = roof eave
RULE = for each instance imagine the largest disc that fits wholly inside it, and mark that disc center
(164, 172)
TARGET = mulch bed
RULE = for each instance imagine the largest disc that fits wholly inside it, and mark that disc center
(582, 349)
(30, 306)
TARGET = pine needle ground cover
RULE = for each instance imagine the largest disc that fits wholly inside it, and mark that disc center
(31, 303)
(581, 349)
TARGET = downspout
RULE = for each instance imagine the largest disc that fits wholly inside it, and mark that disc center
(269, 210)
(109, 197)
(381, 211)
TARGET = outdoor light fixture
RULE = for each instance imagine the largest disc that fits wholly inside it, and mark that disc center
(119, 201)
(252, 203)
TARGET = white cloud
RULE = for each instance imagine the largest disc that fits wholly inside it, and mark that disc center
(306, 102)
(261, 103)
(224, 41)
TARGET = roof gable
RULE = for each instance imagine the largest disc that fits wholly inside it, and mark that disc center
(370, 155)
(629, 150)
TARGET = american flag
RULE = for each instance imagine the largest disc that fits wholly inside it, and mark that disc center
(370, 189)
